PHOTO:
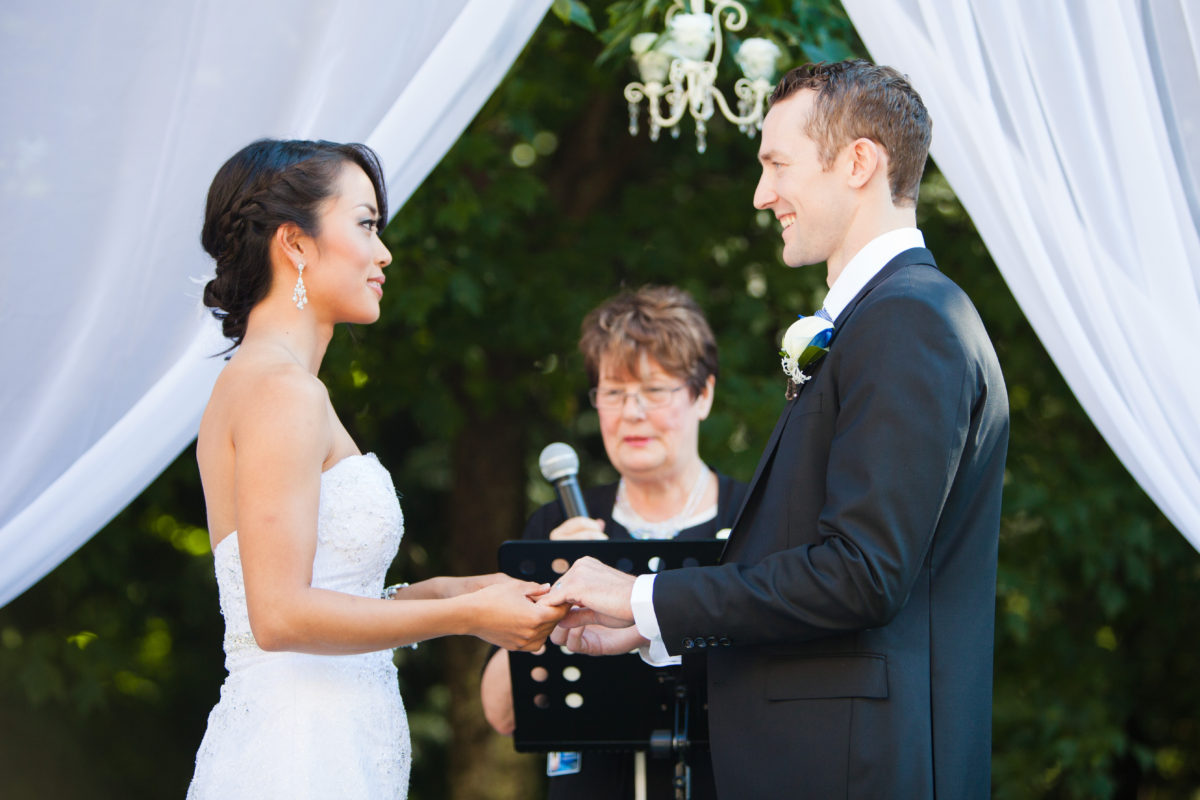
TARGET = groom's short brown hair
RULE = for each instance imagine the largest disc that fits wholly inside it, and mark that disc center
(860, 100)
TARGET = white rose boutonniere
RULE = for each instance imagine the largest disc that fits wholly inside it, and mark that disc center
(804, 344)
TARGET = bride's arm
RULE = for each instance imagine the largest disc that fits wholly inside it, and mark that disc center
(445, 586)
(281, 442)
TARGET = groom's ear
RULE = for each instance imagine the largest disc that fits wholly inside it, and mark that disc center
(866, 158)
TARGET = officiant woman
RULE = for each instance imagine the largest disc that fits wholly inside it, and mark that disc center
(651, 360)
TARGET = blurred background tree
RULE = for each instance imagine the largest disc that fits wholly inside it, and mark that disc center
(543, 208)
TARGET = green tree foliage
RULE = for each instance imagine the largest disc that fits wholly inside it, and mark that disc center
(543, 208)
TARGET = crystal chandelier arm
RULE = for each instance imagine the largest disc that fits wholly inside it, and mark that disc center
(735, 20)
(677, 101)
(635, 92)
(735, 17)
(681, 93)
(754, 92)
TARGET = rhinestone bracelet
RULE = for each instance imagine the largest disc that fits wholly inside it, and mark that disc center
(389, 593)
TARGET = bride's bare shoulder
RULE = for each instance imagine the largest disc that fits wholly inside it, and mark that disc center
(258, 384)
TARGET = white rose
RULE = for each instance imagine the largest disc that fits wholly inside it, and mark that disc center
(654, 66)
(801, 332)
(757, 57)
(692, 35)
(642, 43)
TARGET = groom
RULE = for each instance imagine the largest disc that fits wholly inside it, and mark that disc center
(849, 627)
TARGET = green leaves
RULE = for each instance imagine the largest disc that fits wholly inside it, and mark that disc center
(574, 12)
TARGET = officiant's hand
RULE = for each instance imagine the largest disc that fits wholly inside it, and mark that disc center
(579, 529)
(598, 640)
(601, 593)
(507, 614)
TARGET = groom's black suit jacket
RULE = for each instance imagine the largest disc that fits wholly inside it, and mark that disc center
(849, 628)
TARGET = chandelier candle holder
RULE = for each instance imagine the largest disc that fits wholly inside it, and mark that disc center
(678, 70)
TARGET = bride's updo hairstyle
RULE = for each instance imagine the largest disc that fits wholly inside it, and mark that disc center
(264, 185)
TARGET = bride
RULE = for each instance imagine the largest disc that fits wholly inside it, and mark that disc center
(303, 525)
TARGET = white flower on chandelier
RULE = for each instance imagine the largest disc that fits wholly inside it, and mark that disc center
(757, 58)
(642, 43)
(691, 35)
(651, 56)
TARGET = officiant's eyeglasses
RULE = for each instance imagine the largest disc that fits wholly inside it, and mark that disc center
(646, 396)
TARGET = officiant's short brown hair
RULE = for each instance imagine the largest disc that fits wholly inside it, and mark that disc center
(860, 100)
(662, 322)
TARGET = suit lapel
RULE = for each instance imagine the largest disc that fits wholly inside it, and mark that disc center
(916, 255)
(763, 460)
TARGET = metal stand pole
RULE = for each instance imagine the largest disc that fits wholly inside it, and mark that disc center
(664, 744)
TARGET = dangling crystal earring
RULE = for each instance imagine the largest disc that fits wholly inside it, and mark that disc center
(299, 295)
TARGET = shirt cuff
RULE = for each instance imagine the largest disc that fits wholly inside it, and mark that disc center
(642, 601)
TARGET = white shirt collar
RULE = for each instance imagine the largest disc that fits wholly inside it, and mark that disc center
(866, 264)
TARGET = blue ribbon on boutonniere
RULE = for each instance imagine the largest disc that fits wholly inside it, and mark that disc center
(804, 344)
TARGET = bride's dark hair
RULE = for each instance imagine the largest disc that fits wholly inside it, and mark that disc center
(264, 185)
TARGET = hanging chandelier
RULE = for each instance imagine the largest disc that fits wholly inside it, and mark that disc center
(678, 70)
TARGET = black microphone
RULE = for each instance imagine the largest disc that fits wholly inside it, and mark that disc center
(560, 465)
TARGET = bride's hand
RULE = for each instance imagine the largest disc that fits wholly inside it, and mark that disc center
(505, 614)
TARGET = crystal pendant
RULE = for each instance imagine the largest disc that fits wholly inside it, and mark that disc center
(299, 293)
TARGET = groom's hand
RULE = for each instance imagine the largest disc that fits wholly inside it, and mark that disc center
(597, 640)
(601, 592)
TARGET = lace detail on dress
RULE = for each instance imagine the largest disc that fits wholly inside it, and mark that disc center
(296, 725)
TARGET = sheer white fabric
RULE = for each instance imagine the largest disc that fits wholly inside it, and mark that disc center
(297, 725)
(1071, 133)
(117, 115)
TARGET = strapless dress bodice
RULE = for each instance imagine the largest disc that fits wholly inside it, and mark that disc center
(359, 527)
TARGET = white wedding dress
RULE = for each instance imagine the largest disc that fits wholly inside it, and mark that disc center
(293, 725)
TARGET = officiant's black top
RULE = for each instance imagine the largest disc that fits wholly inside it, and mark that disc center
(609, 776)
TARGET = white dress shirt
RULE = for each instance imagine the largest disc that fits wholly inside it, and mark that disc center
(857, 273)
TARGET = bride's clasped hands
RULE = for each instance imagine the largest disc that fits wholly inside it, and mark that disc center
(507, 613)
(497, 608)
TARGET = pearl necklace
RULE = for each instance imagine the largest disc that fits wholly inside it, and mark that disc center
(641, 528)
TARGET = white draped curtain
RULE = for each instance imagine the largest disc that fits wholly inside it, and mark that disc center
(1071, 133)
(116, 116)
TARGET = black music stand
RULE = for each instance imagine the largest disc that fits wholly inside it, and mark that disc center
(567, 701)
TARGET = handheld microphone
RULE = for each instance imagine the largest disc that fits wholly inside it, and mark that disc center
(560, 465)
